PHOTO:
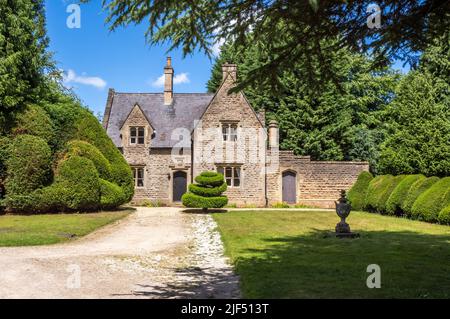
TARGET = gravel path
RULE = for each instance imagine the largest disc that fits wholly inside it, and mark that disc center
(154, 253)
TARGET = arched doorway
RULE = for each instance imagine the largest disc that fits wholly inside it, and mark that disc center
(179, 185)
(289, 187)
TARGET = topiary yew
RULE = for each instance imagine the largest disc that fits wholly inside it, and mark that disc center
(207, 193)
(415, 191)
(358, 192)
(398, 196)
(429, 204)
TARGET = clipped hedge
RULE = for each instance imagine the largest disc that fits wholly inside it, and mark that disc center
(357, 194)
(429, 204)
(208, 179)
(79, 182)
(196, 201)
(34, 121)
(444, 215)
(84, 149)
(378, 192)
(89, 129)
(396, 199)
(28, 165)
(415, 191)
(207, 193)
(111, 195)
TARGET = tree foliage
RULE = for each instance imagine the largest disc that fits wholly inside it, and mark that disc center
(292, 30)
(339, 123)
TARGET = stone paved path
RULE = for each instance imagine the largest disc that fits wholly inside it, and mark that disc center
(154, 253)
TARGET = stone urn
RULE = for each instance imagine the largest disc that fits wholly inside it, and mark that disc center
(343, 209)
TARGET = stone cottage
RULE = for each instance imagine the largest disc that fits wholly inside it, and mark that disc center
(169, 138)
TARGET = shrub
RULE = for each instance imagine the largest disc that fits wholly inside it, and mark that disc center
(357, 194)
(195, 201)
(398, 196)
(432, 201)
(379, 191)
(84, 149)
(78, 180)
(207, 193)
(415, 191)
(89, 129)
(112, 195)
(444, 215)
(4, 144)
(34, 121)
(28, 165)
(281, 205)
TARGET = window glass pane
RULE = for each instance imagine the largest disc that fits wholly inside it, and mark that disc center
(133, 131)
(224, 132)
(134, 173)
(220, 170)
(141, 132)
(140, 173)
(237, 183)
(140, 140)
(228, 172)
(133, 140)
(229, 181)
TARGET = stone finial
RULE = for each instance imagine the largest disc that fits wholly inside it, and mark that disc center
(168, 82)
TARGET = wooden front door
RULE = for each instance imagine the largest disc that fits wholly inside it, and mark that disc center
(179, 185)
(289, 187)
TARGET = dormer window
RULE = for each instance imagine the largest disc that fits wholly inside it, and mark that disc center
(137, 135)
(229, 132)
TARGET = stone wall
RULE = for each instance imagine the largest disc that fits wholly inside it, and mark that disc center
(318, 183)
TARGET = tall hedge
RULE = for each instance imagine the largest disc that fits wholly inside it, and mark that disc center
(357, 194)
(78, 182)
(415, 191)
(396, 199)
(444, 215)
(34, 121)
(28, 165)
(89, 129)
(84, 149)
(379, 190)
(429, 204)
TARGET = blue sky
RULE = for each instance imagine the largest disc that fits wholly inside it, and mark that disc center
(96, 59)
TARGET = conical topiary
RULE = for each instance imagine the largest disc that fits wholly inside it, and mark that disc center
(207, 193)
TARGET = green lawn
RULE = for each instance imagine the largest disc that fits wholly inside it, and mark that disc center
(285, 255)
(51, 229)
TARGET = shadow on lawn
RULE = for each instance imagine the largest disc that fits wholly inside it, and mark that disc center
(193, 283)
(413, 265)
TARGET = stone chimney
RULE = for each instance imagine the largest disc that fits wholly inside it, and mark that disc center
(168, 82)
(273, 134)
(229, 69)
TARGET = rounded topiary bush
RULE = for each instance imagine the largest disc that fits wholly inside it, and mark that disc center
(357, 194)
(111, 195)
(28, 165)
(78, 180)
(444, 215)
(379, 190)
(429, 204)
(84, 149)
(34, 121)
(207, 193)
(420, 186)
(395, 202)
(89, 129)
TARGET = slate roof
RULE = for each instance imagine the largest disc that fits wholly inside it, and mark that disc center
(186, 108)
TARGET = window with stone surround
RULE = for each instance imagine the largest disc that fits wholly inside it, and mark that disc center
(232, 175)
(229, 131)
(138, 175)
(137, 135)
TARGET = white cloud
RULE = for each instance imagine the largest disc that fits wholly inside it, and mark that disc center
(72, 77)
(178, 79)
(217, 47)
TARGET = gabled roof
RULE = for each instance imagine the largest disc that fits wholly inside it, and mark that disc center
(185, 110)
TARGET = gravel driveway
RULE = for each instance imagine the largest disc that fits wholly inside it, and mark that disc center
(153, 253)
